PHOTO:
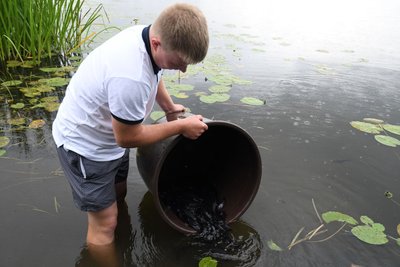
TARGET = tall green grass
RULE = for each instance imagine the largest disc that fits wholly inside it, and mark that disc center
(31, 29)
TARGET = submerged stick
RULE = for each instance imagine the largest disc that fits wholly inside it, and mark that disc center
(329, 237)
(316, 211)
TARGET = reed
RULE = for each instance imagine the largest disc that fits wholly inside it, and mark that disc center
(32, 29)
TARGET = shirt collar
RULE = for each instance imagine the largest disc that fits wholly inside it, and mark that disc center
(146, 40)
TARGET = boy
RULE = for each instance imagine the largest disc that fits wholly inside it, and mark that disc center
(106, 102)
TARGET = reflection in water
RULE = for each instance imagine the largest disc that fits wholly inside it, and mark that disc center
(309, 149)
(160, 245)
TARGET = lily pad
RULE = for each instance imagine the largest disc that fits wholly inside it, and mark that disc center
(49, 99)
(50, 69)
(208, 262)
(2, 152)
(16, 121)
(180, 95)
(395, 129)
(387, 140)
(18, 105)
(271, 244)
(11, 83)
(252, 101)
(388, 194)
(51, 106)
(371, 233)
(37, 124)
(28, 64)
(44, 88)
(332, 216)
(57, 81)
(373, 120)
(13, 63)
(366, 127)
(221, 80)
(181, 87)
(210, 99)
(4, 141)
(57, 69)
(156, 115)
(29, 92)
(219, 89)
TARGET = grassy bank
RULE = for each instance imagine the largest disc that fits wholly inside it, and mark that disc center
(33, 29)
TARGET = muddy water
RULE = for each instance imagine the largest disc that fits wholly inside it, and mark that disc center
(318, 67)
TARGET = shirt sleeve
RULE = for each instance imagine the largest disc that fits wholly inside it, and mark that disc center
(127, 99)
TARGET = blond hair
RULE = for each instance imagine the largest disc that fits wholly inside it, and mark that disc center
(183, 28)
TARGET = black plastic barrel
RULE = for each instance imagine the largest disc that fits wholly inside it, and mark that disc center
(225, 156)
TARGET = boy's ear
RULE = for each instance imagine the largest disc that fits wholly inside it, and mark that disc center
(155, 43)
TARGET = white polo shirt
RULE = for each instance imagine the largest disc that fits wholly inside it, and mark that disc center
(117, 79)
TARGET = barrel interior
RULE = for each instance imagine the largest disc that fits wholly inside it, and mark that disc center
(224, 157)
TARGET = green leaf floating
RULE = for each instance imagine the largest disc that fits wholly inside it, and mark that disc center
(4, 140)
(58, 81)
(387, 140)
(35, 124)
(16, 121)
(56, 69)
(51, 106)
(2, 152)
(181, 87)
(371, 233)
(219, 88)
(178, 94)
(210, 99)
(366, 127)
(18, 106)
(156, 115)
(271, 244)
(11, 83)
(395, 129)
(208, 262)
(373, 120)
(335, 216)
(252, 101)
(13, 63)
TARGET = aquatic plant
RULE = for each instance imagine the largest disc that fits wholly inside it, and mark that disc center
(33, 29)
(376, 127)
(369, 231)
(208, 262)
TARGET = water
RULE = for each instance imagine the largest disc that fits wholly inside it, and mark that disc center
(200, 208)
(318, 65)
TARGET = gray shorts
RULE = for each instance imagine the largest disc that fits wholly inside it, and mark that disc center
(93, 182)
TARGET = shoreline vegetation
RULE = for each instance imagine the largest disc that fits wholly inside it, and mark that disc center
(37, 29)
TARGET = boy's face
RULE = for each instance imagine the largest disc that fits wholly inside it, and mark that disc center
(168, 59)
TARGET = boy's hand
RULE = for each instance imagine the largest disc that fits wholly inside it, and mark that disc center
(194, 127)
(174, 113)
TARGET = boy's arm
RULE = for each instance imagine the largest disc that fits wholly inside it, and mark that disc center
(136, 135)
(165, 101)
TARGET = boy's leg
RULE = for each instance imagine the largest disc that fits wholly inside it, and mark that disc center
(121, 190)
(100, 236)
(94, 191)
(121, 177)
(101, 225)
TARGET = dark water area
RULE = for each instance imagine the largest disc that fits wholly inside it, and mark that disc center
(318, 66)
(200, 208)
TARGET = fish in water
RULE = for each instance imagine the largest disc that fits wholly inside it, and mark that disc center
(200, 208)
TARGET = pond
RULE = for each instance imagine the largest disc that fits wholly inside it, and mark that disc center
(316, 67)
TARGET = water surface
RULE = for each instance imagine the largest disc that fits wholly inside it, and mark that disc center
(318, 66)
